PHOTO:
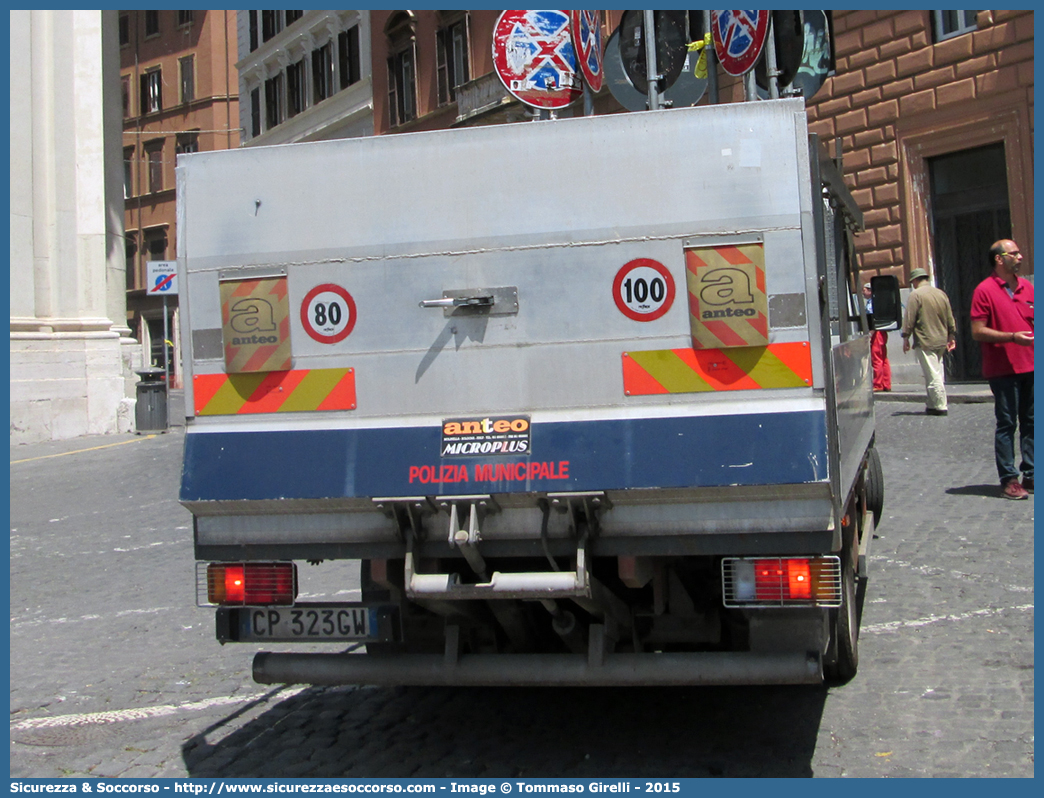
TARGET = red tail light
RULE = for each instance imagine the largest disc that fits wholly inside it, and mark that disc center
(234, 583)
(781, 581)
(271, 583)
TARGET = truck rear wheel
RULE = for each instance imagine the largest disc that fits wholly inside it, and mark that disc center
(844, 629)
(874, 485)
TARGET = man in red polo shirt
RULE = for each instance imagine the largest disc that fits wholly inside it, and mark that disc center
(1002, 322)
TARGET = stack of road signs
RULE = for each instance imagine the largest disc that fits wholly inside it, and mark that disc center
(544, 58)
(802, 41)
(535, 55)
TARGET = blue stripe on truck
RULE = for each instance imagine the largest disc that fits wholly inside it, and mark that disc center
(762, 449)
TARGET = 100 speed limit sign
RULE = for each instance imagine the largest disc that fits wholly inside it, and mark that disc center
(643, 289)
(328, 313)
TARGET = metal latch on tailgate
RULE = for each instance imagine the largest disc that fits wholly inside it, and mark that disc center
(476, 301)
(532, 585)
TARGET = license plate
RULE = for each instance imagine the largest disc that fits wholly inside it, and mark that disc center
(308, 622)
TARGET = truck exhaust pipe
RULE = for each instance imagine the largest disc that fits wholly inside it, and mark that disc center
(565, 625)
(533, 670)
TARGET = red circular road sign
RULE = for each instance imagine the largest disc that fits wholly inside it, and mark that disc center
(586, 28)
(534, 58)
(328, 313)
(739, 37)
(643, 289)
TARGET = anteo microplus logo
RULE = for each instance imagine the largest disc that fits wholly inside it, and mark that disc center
(476, 437)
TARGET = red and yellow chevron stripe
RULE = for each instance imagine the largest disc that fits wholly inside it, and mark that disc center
(274, 392)
(693, 371)
(728, 306)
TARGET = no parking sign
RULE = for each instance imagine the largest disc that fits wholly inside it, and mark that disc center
(738, 38)
(586, 28)
(534, 58)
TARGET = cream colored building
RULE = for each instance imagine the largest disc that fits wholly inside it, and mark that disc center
(304, 76)
(72, 357)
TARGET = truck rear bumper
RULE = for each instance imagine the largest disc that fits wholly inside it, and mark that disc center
(770, 519)
(531, 670)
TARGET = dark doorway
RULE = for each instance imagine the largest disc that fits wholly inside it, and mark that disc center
(970, 212)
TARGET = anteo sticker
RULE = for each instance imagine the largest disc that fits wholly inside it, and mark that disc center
(255, 325)
(728, 306)
(489, 436)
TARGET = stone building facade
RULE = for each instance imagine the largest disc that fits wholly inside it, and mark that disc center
(935, 117)
(180, 95)
(304, 75)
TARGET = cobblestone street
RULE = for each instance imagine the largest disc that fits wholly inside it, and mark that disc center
(115, 672)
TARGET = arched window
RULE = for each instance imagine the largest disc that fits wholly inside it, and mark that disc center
(402, 67)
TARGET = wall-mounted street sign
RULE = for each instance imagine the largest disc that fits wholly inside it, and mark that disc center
(586, 28)
(534, 58)
(161, 277)
(739, 37)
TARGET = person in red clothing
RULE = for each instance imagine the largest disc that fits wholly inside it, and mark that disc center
(1002, 322)
(878, 349)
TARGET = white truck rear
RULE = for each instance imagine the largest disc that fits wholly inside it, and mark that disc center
(587, 398)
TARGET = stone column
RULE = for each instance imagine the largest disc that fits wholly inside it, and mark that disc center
(68, 307)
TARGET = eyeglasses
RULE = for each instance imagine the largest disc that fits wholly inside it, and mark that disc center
(1012, 253)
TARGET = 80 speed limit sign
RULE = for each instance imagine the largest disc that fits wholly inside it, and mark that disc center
(643, 289)
(328, 313)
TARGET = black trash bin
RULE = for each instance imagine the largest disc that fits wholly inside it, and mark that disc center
(150, 412)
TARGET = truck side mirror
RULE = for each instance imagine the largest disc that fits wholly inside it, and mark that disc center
(888, 305)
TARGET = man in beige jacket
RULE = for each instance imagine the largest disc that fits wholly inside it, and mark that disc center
(929, 326)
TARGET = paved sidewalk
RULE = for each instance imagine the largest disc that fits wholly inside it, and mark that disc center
(956, 393)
